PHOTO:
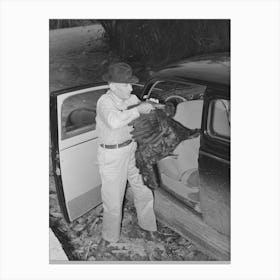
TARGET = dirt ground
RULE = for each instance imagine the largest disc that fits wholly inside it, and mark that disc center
(80, 239)
(79, 56)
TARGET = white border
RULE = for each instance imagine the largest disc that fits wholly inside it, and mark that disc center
(25, 138)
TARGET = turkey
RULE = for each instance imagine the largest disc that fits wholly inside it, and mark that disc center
(157, 135)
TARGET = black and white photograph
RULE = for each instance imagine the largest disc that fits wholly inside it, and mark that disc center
(140, 140)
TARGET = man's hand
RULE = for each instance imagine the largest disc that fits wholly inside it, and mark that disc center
(145, 108)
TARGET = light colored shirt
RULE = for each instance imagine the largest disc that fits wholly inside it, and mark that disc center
(112, 118)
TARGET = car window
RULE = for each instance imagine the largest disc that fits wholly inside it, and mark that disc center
(218, 124)
(164, 90)
(78, 113)
(167, 85)
(160, 87)
(137, 89)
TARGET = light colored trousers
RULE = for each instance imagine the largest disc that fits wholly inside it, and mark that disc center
(116, 166)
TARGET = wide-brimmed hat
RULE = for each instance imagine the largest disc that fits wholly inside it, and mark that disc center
(120, 73)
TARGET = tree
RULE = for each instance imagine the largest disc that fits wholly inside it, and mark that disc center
(157, 42)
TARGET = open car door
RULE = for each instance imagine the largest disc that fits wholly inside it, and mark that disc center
(74, 149)
(214, 161)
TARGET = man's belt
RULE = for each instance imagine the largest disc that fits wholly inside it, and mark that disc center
(116, 146)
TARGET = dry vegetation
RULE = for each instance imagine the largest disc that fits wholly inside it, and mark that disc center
(80, 239)
(145, 44)
(154, 43)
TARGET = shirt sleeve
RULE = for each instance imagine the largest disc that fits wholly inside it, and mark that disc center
(115, 118)
(133, 100)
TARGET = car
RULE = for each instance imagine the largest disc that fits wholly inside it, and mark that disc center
(194, 193)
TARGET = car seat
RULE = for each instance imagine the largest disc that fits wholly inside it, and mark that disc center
(180, 172)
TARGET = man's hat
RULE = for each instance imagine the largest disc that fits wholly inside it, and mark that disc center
(120, 73)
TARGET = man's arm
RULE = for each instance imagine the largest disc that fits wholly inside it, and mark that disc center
(115, 118)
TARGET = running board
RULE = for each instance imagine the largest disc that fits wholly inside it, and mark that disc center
(174, 214)
(182, 220)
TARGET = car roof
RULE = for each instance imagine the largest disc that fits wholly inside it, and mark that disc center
(205, 69)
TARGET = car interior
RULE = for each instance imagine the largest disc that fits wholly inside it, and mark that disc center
(179, 173)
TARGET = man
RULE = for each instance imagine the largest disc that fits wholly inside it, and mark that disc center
(116, 153)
